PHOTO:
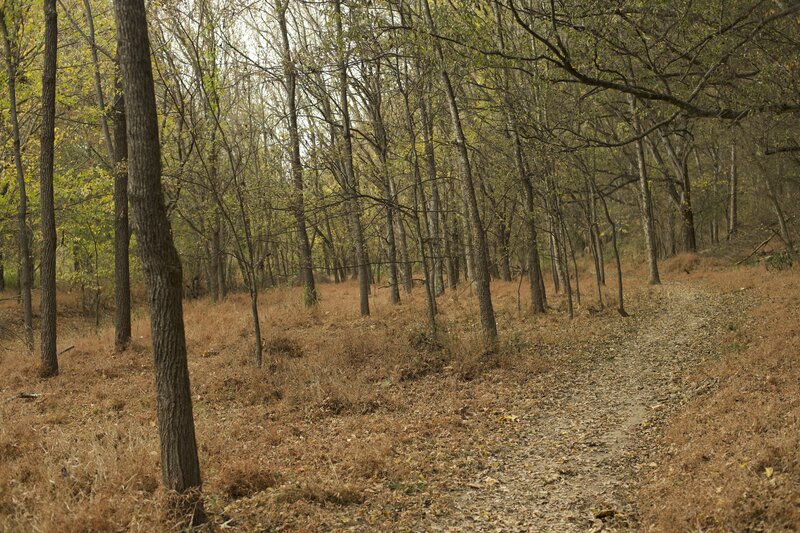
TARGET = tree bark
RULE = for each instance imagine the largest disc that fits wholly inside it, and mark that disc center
(160, 262)
(48, 221)
(122, 238)
(435, 213)
(733, 200)
(362, 262)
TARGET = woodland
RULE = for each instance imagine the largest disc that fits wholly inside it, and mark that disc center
(431, 265)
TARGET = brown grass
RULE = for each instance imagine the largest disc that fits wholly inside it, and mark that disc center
(350, 419)
(733, 462)
(362, 422)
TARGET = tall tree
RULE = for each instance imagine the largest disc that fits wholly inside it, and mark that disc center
(122, 238)
(351, 188)
(48, 220)
(290, 81)
(12, 57)
(161, 265)
(481, 251)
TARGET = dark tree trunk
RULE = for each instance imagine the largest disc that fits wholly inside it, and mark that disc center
(646, 202)
(733, 200)
(25, 277)
(534, 266)
(435, 214)
(48, 220)
(122, 238)
(160, 262)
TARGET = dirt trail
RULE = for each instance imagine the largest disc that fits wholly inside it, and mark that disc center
(577, 457)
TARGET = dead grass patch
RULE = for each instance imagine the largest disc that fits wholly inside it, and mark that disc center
(732, 461)
(367, 417)
(242, 480)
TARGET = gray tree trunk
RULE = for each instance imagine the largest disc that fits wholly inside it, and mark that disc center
(304, 247)
(481, 252)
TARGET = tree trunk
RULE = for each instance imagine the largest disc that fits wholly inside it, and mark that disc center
(733, 200)
(646, 201)
(362, 262)
(122, 284)
(25, 278)
(48, 221)
(538, 301)
(160, 262)
(481, 255)
(440, 245)
(304, 247)
(783, 227)
(620, 293)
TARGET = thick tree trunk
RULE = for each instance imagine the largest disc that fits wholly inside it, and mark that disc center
(304, 247)
(25, 277)
(160, 262)
(48, 220)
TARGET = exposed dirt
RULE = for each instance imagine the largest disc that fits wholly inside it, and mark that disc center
(575, 456)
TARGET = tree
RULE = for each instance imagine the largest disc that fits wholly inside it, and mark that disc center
(48, 220)
(11, 48)
(481, 256)
(160, 262)
(290, 80)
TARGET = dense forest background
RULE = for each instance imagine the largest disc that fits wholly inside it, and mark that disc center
(407, 138)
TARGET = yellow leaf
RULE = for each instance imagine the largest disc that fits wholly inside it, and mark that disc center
(768, 471)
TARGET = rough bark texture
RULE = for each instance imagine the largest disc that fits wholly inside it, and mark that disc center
(160, 262)
(23, 240)
(362, 262)
(122, 284)
(48, 220)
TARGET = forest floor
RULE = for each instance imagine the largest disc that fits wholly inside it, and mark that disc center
(576, 453)
(683, 416)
